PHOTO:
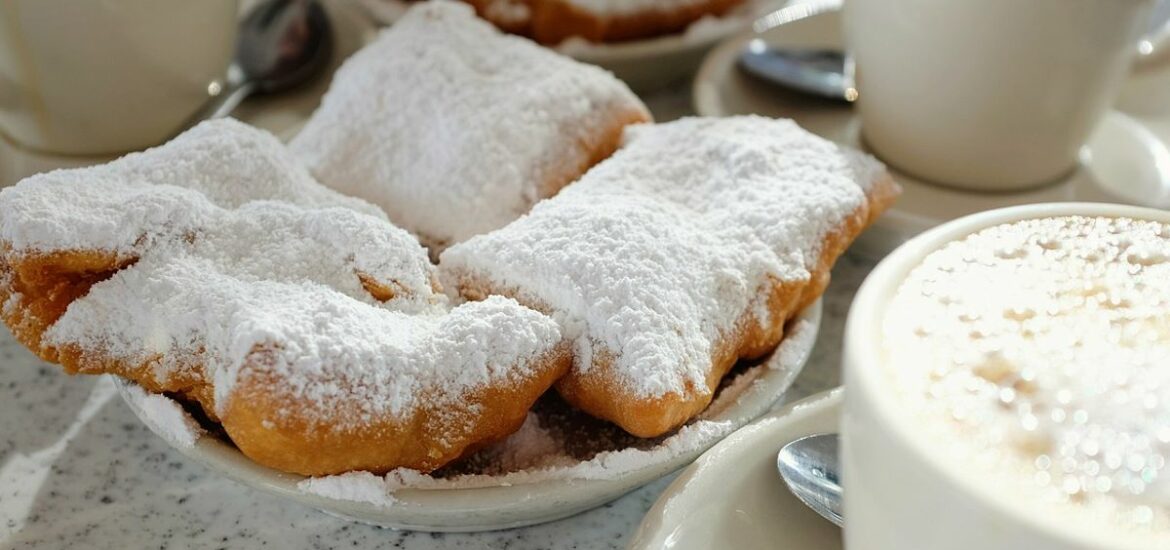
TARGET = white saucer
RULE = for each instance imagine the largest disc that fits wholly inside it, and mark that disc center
(514, 505)
(1125, 160)
(732, 496)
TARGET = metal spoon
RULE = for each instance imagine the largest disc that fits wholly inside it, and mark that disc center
(817, 72)
(809, 468)
(820, 72)
(281, 43)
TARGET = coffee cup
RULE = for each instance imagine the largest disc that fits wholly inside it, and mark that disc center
(1003, 385)
(991, 95)
(103, 78)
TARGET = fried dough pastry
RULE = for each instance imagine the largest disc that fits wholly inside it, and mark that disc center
(215, 268)
(455, 129)
(685, 251)
(553, 21)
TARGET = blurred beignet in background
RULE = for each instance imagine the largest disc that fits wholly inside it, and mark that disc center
(687, 250)
(214, 268)
(455, 129)
(553, 21)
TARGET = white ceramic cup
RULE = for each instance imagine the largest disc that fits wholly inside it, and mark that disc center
(109, 76)
(989, 94)
(899, 494)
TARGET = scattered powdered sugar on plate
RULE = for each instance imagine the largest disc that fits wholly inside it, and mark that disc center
(603, 466)
(352, 486)
(165, 416)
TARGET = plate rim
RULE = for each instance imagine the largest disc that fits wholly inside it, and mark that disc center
(659, 522)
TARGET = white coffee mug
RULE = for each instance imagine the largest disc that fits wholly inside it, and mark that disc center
(901, 491)
(110, 76)
(989, 94)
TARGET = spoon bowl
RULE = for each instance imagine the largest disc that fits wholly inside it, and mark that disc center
(819, 72)
(281, 43)
(809, 467)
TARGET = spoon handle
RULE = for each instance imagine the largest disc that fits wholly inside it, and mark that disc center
(232, 99)
(224, 103)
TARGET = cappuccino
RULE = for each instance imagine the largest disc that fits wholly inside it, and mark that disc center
(1036, 357)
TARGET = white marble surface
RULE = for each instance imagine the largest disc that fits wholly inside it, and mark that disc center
(77, 470)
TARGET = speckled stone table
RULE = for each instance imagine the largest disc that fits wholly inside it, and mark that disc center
(77, 470)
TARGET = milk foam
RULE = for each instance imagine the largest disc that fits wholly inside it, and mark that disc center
(1036, 357)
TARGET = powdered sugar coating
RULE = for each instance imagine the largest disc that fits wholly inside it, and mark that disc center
(171, 189)
(454, 128)
(270, 274)
(656, 253)
(269, 266)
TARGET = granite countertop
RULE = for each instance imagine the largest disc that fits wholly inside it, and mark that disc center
(77, 469)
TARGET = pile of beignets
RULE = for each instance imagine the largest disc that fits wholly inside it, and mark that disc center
(287, 291)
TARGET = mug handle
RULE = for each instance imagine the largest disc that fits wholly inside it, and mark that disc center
(1153, 50)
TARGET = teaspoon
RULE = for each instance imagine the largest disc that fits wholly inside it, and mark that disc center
(809, 468)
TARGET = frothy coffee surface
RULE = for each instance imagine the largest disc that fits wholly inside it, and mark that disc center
(1037, 356)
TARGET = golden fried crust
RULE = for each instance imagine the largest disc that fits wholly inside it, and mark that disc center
(36, 288)
(598, 146)
(277, 430)
(597, 391)
(553, 21)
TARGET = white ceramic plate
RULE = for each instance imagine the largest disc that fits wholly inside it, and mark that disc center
(505, 506)
(1126, 159)
(646, 65)
(732, 496)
